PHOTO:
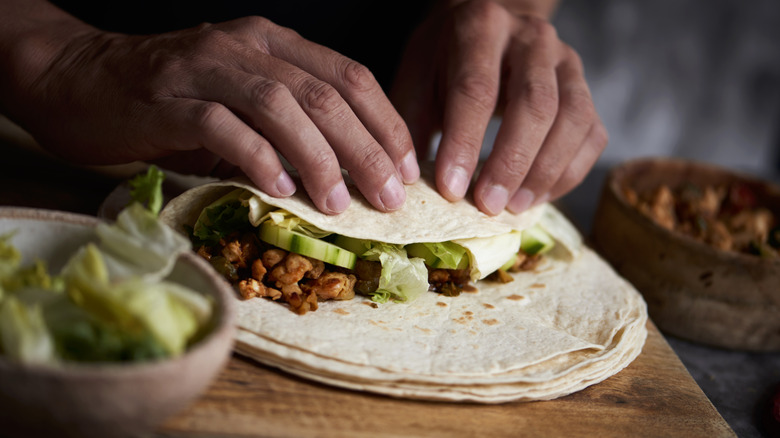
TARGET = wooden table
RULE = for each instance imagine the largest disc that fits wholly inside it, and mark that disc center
(654, 397)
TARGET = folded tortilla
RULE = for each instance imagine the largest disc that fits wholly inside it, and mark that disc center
(568, 324)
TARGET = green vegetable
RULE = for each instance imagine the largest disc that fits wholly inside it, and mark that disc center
(402, 278)
(442, 255)
(536, 241)
(222, 218)
(111, 301)
(146, 189)
(23, 333)
(138, 244)
(305, 245)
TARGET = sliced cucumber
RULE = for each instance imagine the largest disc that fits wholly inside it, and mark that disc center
(357, 246)
(306, 246)
(423, 251)
(536, 241)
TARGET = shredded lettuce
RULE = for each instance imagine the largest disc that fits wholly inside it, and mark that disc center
(402, 279)
(138, 244)
(23, 333)
(111, 301)
(450, 253)
(146, 189)
(287, 220)
(226, 215)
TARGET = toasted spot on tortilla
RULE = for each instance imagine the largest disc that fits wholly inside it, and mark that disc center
(470, 289)
(341, 311)
(488, 306)
(491, 321)
(440, 304)
(371, 304)
(422, 329)
(538, 285)
(461, 320)
(514, 297)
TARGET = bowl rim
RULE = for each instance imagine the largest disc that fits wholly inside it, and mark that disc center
(621, 170)
(224, 326)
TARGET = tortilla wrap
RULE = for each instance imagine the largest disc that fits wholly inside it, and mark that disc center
(568, 324)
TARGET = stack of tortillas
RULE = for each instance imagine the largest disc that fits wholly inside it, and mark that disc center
(570, 323)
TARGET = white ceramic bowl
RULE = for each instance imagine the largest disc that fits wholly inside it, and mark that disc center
(106, 399)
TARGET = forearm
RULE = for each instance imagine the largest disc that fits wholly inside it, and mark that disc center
(32, 34)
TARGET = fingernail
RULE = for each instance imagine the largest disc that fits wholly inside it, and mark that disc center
(494, 198)
(285, 185)
(522, 199)
(338, 198)
(457, 182)
(410, 170)
(393, 194)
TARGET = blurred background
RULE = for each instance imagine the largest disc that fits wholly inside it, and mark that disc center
(697, 79)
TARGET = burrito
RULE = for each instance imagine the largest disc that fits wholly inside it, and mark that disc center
(434, 301)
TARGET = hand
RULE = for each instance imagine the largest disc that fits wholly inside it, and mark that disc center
(477, 58)
(229, 94)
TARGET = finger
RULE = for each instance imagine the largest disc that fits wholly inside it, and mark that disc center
(311, 126)
(576, 114)
(586, 158)
(356, 89)
(190, 124)
(471, 90)
(531, 107)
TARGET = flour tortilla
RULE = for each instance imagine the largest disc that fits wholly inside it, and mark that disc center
(571, 323)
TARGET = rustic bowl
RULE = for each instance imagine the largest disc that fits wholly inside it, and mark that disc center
(105, 400)
(693, 291)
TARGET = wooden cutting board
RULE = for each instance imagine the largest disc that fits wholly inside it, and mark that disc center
(654, 397)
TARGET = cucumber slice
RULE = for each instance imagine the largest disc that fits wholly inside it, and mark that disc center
(306, 246)
(358, 246)
(536, 241)
(424, 252)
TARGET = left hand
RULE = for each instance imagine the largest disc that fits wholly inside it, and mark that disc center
(472, 59)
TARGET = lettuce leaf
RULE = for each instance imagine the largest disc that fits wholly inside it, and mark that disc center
(133, 304)
(226, 215)
(402, 279)
(146, 189)
(138, 244)
(23, 333)
(487, 254)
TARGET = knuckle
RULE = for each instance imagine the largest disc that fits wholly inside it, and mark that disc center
(209, 115)
(320, 96)
(543, 28)
(481, 89)
(321, 159)
(466, 143)
(269, 94)
(372, 159)
(515, 166)
(484, 10)
(542, 98)
(357, 76)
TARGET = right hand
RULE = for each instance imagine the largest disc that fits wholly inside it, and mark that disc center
(238, 91)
